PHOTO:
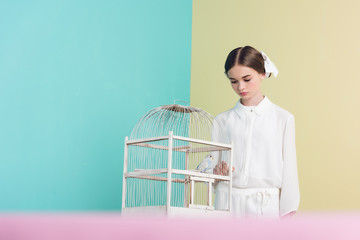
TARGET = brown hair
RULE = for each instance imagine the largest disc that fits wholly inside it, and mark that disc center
(246, 56)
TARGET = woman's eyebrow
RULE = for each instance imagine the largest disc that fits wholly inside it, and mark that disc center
(231, 78)
(241, 77)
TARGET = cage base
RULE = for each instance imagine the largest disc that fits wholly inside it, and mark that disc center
(158, 211)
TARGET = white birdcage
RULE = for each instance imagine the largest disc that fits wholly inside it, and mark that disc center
(168, 162)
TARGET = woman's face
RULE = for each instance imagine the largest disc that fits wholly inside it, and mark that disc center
(245, 81)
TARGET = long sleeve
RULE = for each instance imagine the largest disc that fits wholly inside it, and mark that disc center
(290, 193)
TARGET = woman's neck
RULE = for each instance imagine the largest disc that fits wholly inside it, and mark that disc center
(254, 101)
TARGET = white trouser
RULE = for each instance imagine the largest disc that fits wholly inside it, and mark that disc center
(249, 202)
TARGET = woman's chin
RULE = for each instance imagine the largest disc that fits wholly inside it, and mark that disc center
(244, 96)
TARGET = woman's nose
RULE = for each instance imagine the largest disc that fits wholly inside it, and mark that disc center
(241, 86)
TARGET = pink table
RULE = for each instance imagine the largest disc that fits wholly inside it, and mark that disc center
(108, 226)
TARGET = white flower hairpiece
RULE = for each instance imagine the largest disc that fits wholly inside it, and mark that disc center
(269, 66)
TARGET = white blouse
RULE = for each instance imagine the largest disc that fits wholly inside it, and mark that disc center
(263, 137)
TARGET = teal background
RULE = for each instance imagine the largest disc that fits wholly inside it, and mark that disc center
(75, 77)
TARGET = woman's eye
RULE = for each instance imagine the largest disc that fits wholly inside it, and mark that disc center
(246, 80)
(232, 82)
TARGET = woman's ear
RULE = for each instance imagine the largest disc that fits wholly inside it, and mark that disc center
(262, 76)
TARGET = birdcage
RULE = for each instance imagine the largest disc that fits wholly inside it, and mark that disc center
(168, 163)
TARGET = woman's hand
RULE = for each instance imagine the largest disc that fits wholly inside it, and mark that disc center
(222, 169)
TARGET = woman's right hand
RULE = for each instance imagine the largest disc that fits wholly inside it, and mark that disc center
(222, 169)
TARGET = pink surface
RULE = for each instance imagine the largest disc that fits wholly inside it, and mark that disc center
(113, 226)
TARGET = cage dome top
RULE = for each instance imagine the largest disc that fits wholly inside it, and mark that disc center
(184, 121)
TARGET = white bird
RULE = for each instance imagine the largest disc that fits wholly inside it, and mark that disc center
(206, 164)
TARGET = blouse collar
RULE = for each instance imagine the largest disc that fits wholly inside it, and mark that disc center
(260, 109)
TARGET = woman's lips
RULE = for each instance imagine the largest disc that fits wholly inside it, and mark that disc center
(243, 93)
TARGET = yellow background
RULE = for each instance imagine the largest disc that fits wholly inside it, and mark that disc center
(316, 47)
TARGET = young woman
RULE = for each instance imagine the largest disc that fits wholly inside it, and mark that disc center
(265, 180)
